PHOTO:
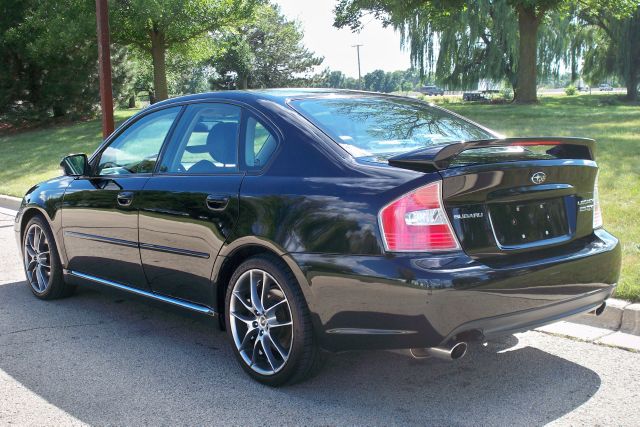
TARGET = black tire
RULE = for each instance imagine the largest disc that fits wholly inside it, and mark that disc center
(304, 358)
(56, 287)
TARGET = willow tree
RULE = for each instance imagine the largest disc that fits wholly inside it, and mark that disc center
(615, 49)
(562, 43)
(485, 30)
(154, 26)
(472, 45)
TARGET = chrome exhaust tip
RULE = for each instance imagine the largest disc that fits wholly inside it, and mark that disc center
(453, 352)
(598, 311)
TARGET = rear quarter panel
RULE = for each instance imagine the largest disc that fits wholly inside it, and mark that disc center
(313, 199)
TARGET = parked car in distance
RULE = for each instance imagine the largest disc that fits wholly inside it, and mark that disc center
(605, 87)
(319, 220)
(475, 96)
(431, 90)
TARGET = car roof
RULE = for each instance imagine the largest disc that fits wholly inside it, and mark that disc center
(280, 95)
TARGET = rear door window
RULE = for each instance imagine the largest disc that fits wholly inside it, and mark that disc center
(206, 141)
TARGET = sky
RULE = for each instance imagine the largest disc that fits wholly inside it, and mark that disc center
(381, 48)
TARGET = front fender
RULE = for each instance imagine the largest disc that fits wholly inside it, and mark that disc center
(44, 199)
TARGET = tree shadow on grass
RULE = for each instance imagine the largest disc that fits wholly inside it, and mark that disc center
(109, 358)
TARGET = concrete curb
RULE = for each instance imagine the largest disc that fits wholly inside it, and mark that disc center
(619, 315)
(631, 319)
(618, 326)
(10, 202)
(611, 318)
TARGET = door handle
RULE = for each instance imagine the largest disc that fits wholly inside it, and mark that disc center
(217, 202)
(125, 198)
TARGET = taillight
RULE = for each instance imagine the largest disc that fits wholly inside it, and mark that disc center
(417, 222)
(597, 210)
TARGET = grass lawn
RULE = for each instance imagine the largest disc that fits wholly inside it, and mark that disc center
(29, 157)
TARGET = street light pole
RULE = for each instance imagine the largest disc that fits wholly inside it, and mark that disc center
(104, 67)
(357, 46)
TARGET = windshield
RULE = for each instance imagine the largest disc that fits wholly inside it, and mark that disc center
(377, 128)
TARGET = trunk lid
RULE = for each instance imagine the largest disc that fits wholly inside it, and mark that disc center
(513, 195)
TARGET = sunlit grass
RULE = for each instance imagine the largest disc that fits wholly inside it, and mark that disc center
(27, 158)
(33, 156)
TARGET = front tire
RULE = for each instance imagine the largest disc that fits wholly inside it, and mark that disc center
(41, 261)
(269, 323)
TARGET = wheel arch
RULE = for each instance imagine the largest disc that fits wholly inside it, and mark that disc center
(31, 211)
(28, 213)
(235, 254)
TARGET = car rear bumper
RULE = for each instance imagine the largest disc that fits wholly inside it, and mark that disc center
(363, 302)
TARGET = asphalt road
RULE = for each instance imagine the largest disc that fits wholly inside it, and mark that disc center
(105, 358)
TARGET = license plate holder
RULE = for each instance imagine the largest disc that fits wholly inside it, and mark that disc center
(524, 223)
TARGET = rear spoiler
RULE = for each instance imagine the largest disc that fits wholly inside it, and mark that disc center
(439, 157)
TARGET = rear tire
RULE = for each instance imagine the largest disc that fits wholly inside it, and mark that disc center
(269, 323)
(41, 261)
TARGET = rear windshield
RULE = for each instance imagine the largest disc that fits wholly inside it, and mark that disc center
(377, 128)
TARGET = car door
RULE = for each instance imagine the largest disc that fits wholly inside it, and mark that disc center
(100, 212)
(189, 208)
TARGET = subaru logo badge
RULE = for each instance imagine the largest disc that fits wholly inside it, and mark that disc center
(538, 177)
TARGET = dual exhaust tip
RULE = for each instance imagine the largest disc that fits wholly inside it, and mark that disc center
(454, 351)
(458, 350)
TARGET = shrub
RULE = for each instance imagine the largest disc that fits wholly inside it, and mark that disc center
(570, 90)
(507, 94)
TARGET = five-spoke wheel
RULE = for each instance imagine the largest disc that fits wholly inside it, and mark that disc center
(269, 323)
(37, 258)
(41, 261)
(261, 322)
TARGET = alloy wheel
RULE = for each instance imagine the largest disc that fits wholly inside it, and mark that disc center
(37, 258)
(261, 322)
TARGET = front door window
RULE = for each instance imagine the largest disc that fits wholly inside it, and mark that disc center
(136, 149)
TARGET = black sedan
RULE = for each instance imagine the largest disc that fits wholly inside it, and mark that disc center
(320, 220)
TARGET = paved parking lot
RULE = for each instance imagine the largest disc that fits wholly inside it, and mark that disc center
(106, 358)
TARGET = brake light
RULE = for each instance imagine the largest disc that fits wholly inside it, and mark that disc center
(525, 143)
(417, 222)
(597, 210)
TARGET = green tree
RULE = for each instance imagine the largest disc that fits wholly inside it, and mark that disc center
(495, 38)
(406, 86)
(615, 47)
(267, 51)
(154, 26)
(377, 80)
(336, 79)
(374, 81)
(48, 59)
(481, 31)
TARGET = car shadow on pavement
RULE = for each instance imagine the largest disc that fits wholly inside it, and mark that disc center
(105, 357)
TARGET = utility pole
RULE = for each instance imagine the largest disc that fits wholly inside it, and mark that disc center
(357, 46)
(104, 66)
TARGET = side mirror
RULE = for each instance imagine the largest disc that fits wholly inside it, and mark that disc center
(75, 165)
